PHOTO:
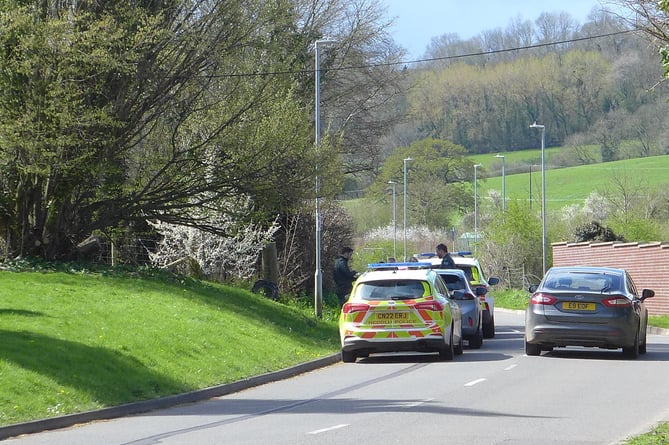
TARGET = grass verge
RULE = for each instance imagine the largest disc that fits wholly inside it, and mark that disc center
(658, 436)
(74, 342)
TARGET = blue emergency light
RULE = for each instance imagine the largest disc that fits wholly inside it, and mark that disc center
(396, 266)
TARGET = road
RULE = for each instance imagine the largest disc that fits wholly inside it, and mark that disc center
(494, 395)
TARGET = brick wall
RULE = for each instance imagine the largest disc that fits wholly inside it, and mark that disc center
(648, 264)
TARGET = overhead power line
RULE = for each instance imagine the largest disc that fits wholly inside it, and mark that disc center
(433, 59)
(520, 48)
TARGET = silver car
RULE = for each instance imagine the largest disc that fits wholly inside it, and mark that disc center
(468, 300)
(587, 306)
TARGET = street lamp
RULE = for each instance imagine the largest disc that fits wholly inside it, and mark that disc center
(318, 275)
(543, 193)
(476, 204)
(530, 186)
(394, 184)
(503, 181)
(531, 165)
(405, 207)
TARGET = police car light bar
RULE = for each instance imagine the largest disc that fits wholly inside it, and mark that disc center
(432, 254)
(395, 266)
(426, 255)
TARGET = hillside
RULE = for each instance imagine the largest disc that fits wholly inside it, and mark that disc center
(564, 186)
(572, 185)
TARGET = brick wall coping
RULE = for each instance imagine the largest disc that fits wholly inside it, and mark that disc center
(614, 244)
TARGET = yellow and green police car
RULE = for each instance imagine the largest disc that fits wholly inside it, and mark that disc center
(477, 280)
(396, 307)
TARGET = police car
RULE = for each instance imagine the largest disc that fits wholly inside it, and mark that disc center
(472, 268)
(397, 307)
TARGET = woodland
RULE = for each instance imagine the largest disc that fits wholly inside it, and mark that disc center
(186, 124)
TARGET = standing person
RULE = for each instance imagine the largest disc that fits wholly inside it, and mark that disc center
(446, 260)
(343, 275)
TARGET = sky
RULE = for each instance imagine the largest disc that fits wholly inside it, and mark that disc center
(417, 21)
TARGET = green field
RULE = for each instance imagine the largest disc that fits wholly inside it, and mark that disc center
(572, 185)
(564, 186)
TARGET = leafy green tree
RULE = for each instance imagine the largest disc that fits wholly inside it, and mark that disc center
(511, 244)
(114, 113)
(438, 177)
(637, 229)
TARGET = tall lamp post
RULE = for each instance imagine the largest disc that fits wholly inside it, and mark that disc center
(405, 207)
(530, 186)
(318, 275)
(543, 193)
(476, 204)
(394, 184)
(503, 181)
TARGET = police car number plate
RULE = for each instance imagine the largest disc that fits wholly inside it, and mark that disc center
(390, 317)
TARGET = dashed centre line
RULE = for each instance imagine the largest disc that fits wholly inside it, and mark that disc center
(324, 430)
(475, 382)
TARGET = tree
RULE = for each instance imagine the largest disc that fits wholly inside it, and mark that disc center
(512, 241)
(594, 231)
(112, 114)
(652, 16)
(108, 116)
(438, 176)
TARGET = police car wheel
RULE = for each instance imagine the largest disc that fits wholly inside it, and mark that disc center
(348, 356)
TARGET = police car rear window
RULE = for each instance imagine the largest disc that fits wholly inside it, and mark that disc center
(467, 270)
(391, 289)
(453, 282)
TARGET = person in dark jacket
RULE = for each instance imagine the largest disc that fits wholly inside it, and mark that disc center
(446, 260)
(343, 275)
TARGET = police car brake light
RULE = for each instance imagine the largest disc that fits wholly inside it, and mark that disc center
(350, 308)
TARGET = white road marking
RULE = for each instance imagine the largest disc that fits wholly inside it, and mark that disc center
(417, 403)
(475, 382)
(509, 368)
(324, 430)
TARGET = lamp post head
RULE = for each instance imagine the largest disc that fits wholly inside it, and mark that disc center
(324, 41)
(500, 156)
(535, 125)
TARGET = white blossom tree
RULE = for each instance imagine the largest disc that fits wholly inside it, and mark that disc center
(195, 251)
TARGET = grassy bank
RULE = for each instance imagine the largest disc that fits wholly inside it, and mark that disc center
(74, 342)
